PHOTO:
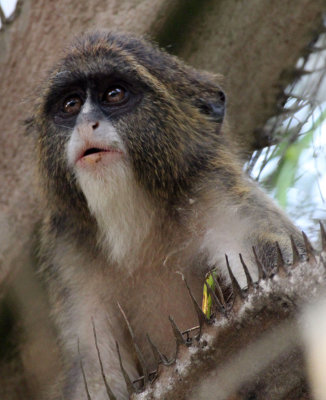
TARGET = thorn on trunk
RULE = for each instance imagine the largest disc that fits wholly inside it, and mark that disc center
(309, 249)
(202, 319)
(158, 356)
(152, 374)
(215, 299)
(219, 292)
(83, 372)
(323, 236)
(109, 392)
(177, 334)
(280, 264)
(237, 292)
(261, 271)
(250, 282)
(295, 252)
(130, 386)
(137, 350)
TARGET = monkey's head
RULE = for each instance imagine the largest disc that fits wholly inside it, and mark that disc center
(117, 103)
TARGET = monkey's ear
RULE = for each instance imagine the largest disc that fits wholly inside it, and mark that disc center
(213, 107)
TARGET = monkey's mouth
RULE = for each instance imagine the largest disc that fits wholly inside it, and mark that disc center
(94, 155)
(92, 150)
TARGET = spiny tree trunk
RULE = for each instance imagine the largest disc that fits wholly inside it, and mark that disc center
(253, 348)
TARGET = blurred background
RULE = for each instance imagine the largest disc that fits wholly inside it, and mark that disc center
(293, 170)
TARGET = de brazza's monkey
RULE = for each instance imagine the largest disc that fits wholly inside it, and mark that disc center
(139, 182)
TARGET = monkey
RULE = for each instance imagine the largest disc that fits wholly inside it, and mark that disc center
(140, 182)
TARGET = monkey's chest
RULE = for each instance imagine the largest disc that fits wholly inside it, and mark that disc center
(147, 300)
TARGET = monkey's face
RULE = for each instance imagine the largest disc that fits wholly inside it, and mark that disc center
(116, 103)
(95, 149)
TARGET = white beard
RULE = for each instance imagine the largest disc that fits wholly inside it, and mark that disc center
(121, 208)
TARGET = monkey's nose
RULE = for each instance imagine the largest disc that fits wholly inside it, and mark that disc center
(95, 125)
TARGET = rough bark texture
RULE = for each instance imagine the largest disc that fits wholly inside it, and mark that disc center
(253, 353)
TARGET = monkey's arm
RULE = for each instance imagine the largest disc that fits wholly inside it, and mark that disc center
(253, 226)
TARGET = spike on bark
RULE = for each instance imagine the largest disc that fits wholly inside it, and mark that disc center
(219, 292)
(137, 350)
(309, 249)
(280, 264)
(202, 319)
(295, 252)
(250, 283)
(215, 299)
(130, 386)
(177, 334)
(237, 292)
(261, 271)
(109, 392)
(158, 356)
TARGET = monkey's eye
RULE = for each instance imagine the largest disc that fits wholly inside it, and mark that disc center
(72, 105)
(115, 95)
